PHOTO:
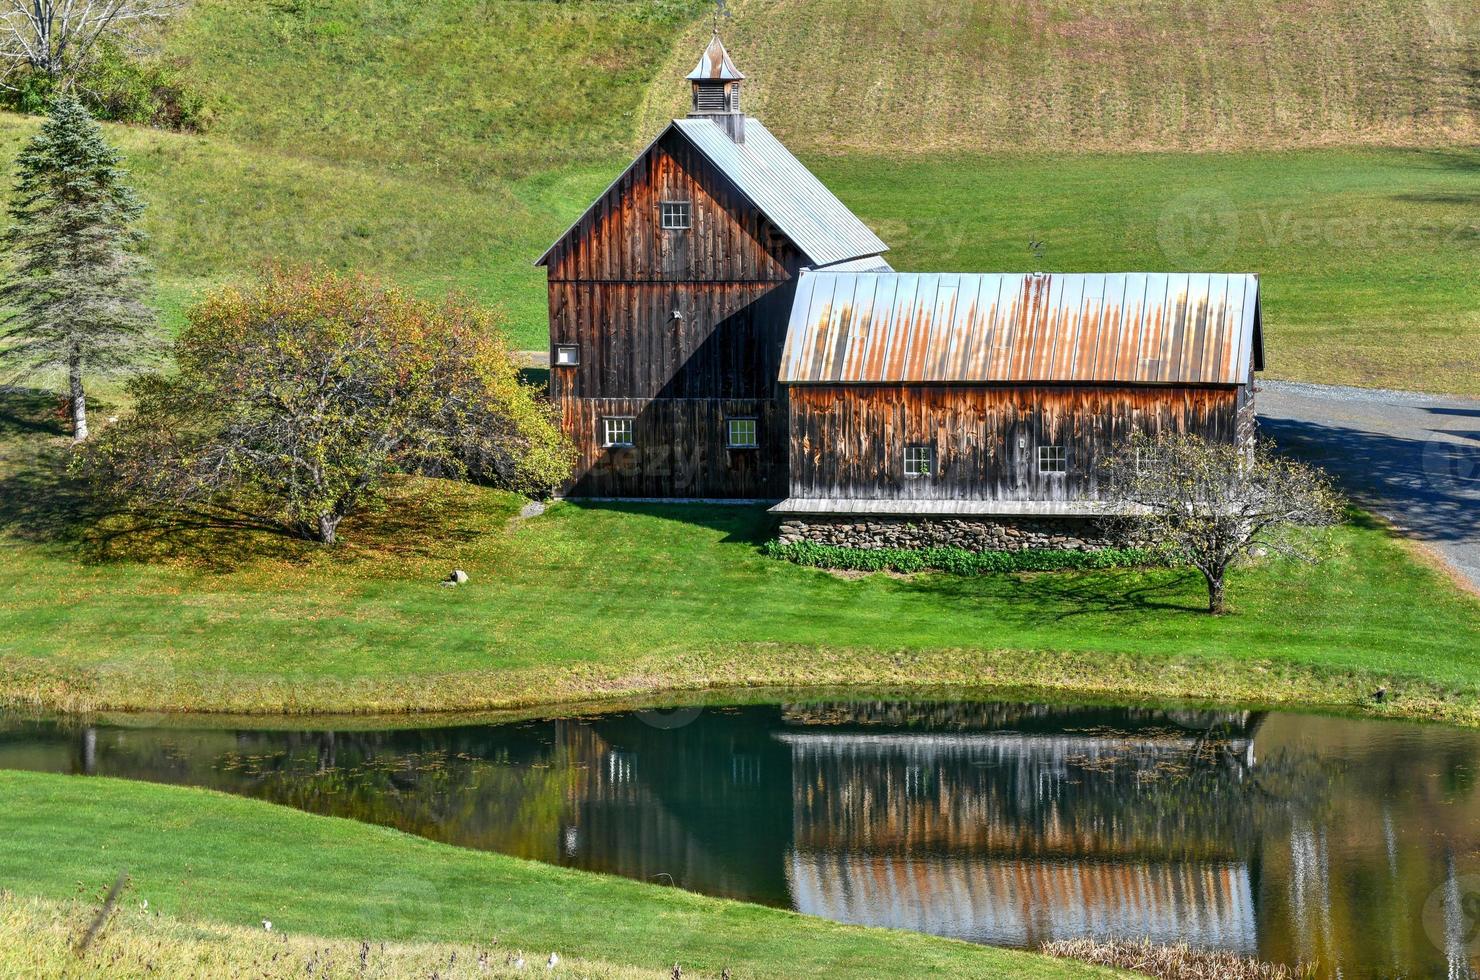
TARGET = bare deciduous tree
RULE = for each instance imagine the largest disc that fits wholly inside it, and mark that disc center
(57, 37)
(1214, 503)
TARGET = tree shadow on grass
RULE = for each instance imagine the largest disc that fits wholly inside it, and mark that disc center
(31, 411)
(43, 504)
(417, 522)
(1041, 598)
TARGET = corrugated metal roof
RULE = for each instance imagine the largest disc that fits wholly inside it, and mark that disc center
(715, 64)
(1129, 328)
(869, 263)
(786, 192)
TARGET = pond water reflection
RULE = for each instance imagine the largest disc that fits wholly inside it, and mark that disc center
(1349, 843)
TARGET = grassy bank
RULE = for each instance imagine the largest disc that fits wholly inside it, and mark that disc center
(40, 938)
(606, 601)
(236, 862)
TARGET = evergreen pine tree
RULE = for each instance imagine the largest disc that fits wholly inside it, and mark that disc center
(75, 290)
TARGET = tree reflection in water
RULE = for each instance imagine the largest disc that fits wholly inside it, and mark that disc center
(1281, 836)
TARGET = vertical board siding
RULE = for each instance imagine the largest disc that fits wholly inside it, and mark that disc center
(725, 344)
(622, 239)
(847, 442)
(614, 287)
(679, 449)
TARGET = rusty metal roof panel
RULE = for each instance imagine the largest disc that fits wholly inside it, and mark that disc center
(764, 170)
(1125, 328)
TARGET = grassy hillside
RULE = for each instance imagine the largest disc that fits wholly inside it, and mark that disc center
(465, 89)
(444, 145)
(204, 857)
(1370, 258)
(924, 76)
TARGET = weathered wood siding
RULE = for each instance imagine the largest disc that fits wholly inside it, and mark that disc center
(848, 441)
(615, 284)
(621, 239)
(725, 343)
(679, 449)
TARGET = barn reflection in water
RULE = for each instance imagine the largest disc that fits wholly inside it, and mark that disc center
(1280, 836)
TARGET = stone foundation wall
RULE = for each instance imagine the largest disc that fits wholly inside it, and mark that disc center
(970, 533)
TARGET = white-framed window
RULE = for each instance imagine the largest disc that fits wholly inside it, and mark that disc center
(675, 215)
(741, 433)
(919, 460)
(567, 355)
(1051, 459)
(616, 430)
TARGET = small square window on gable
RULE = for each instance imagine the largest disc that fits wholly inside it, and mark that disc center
(919, 461)
(1052, 459)
(741, 434)
(676, 215)
(567, 355)
(616, 431)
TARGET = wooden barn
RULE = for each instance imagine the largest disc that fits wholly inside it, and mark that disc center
(669, 300)
(723, 327)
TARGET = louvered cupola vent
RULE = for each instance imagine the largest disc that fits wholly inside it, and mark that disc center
(711, 99)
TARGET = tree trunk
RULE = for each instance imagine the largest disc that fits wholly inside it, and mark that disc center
(328, 524)
(1216, 605)
(79, 397)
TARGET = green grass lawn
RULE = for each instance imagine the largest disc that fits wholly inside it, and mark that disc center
(204, 857)
(602, 601)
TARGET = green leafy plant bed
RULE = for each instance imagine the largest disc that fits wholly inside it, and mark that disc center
(957, 561)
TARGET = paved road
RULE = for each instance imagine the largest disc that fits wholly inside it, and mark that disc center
(1414, 458)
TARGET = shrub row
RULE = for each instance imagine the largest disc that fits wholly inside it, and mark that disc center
(957, 561)
(118, 87)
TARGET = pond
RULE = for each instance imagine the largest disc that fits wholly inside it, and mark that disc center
(1353, 844)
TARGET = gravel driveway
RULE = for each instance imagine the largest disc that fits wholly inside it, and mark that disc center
(1414, 458)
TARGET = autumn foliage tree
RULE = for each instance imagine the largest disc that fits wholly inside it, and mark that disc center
(1214, 503)
(296, 397)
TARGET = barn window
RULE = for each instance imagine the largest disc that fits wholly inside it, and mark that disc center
(567, 355)
(1051, 459)
(616, 431)
(675, 215)
(919, 460)
(741, 434)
